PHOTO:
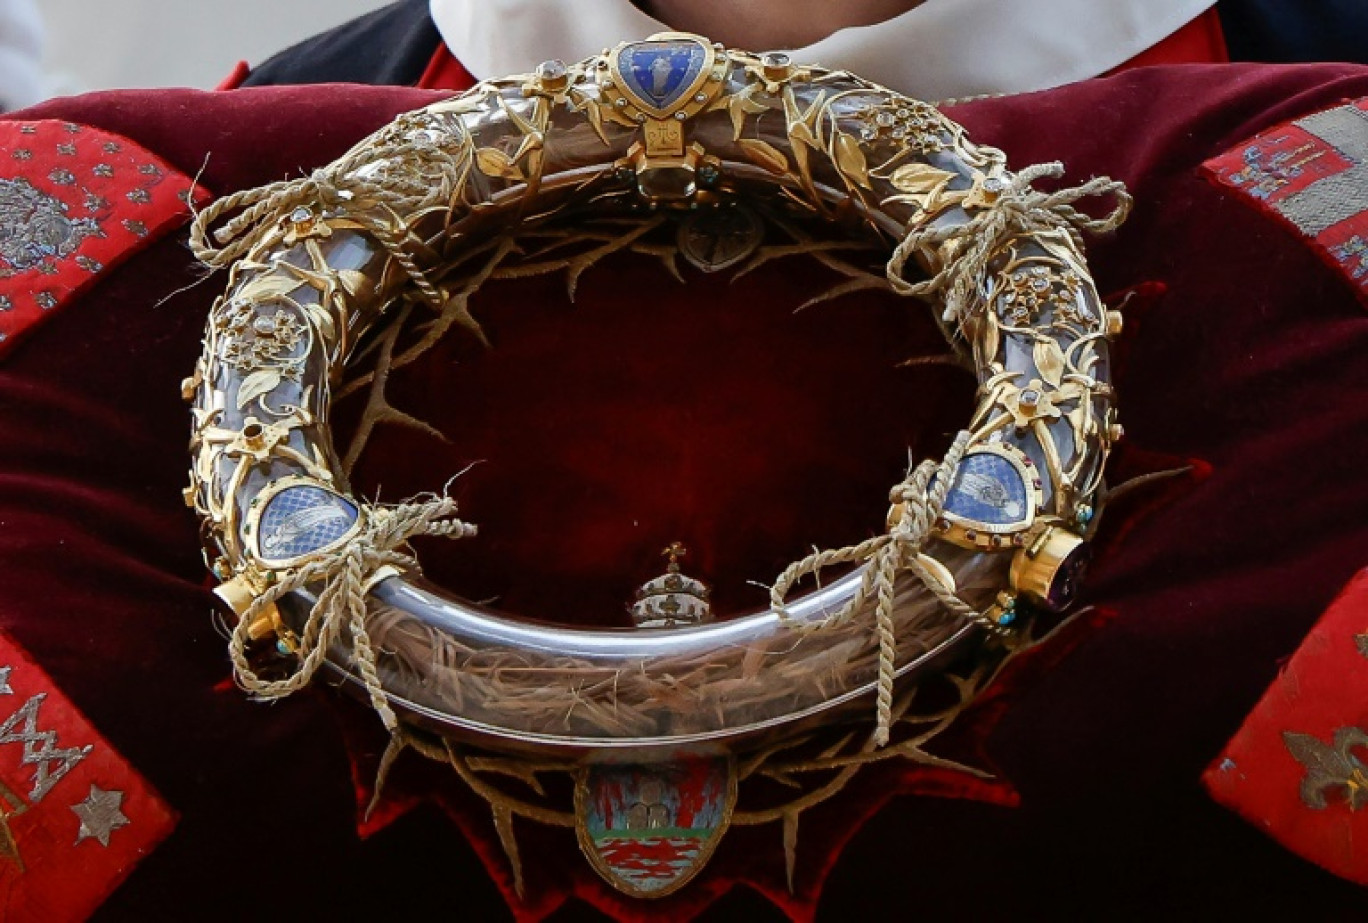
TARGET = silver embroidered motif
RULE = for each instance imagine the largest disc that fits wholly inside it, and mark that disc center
(35, 229)
(40, 747)
(1336, 198)
(101, 813)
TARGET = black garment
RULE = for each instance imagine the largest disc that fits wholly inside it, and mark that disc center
(389, 47)
(393, 45)
(1287, 31)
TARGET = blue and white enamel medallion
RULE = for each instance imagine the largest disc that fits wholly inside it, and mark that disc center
(301, 519)
(661, 75)
(992, 490)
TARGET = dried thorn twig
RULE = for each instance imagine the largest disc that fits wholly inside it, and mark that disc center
(378, 409)
(954, 360)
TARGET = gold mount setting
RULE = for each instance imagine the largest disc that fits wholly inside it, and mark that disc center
(683, 79)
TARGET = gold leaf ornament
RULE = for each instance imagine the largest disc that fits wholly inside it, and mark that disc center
(1049, 360)
(589, 107)
(741, 105)
(352, 281)
(850, 159)
(322, 319)
(925, 184)
(268, 287)
(765, 155)
(256, 384)
(992, 336)
(802, 131)
(1081, 420)
(802, 126)
(494, 162)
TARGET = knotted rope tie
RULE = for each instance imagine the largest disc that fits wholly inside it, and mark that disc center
(391, 193)
(885, 557)
(342, 602)
(1018, 210)
(262, 204)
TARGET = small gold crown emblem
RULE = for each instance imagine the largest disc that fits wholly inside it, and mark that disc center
(672, 600)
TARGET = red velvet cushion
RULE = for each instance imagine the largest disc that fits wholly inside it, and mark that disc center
(649, 412)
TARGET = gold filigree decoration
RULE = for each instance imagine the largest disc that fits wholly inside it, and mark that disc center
(1026, 291)
(257, 339)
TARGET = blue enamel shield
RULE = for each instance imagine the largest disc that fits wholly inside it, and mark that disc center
(302, 519)
(989, 489)
(659, 75)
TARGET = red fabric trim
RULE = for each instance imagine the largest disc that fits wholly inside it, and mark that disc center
(64, 846)
(1278, 164)
(241, 71)
(1298, 766)
(444, 72)
(1201, 41)
(102, 194)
